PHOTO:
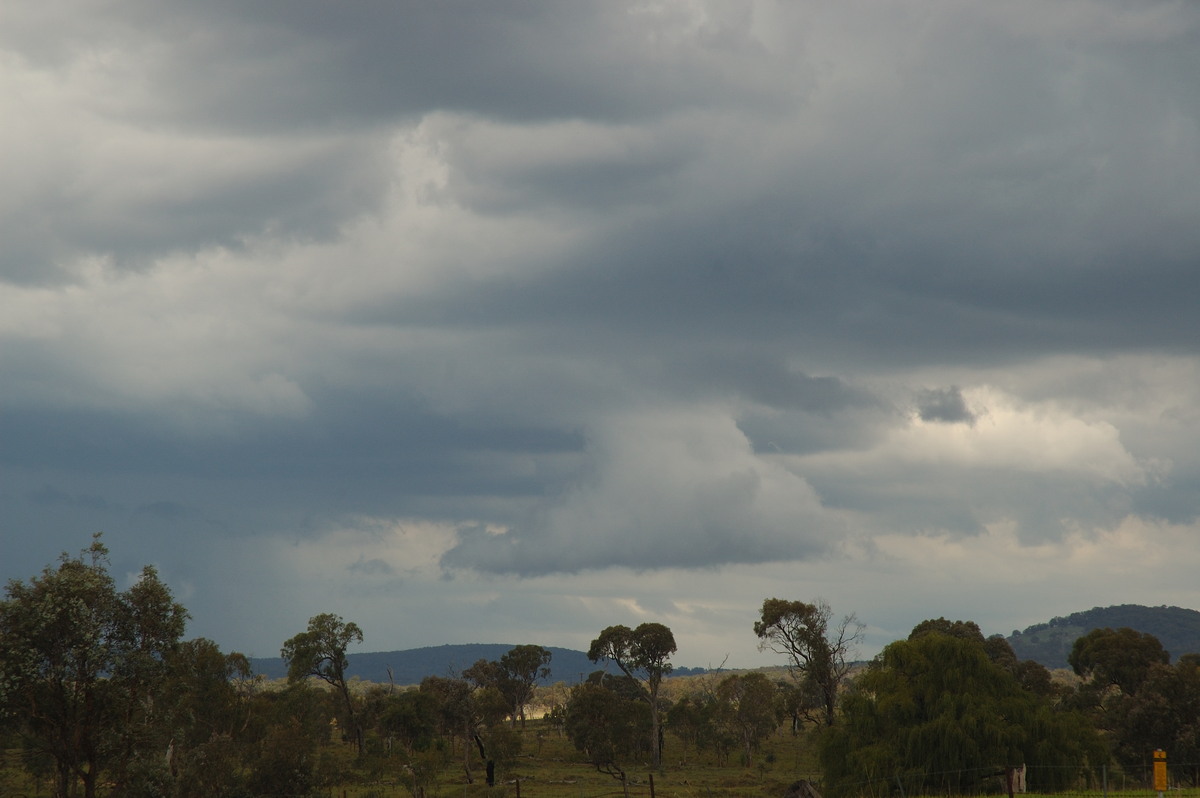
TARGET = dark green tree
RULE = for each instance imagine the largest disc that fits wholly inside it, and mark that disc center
(514, 675)
(643, 654)
(492, 702)
(935, 712)
(82, 664)
(967, 630)
(205, 703)
(686, 720)
(320, 651)
(287, 731)
(204, 698)
(747, 709)
(1120, 658)
(412, 718)
(522, 667)
(609, 727)
(819, 657)
(1164, 713)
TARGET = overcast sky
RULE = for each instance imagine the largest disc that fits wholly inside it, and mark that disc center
(510, 321)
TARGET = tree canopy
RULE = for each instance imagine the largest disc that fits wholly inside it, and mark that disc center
(936, 712)
(320, 651)
(818, 657)
(643, 654)
(1121, 657)
(82, 664)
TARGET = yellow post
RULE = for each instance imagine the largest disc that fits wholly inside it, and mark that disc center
(1160, 770)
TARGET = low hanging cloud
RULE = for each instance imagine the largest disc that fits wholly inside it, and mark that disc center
(678, 488)
(944, 404)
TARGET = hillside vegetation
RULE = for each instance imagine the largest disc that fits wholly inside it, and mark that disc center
(1178, 629)
(410, 666)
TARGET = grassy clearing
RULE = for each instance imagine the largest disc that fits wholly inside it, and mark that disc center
(550, 767)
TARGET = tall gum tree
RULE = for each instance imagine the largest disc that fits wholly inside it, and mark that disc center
(643, 654)
(819, 658)
(320, 651)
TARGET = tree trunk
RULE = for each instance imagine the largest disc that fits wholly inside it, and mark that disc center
(63, 777)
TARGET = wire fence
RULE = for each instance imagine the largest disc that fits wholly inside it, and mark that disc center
(1182, 780)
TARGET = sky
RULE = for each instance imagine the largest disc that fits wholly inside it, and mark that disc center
(506, 322)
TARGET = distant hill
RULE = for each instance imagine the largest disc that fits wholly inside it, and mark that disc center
(412, 665)
(1178, 629)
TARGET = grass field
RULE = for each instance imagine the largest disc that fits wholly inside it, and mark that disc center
(550, 767)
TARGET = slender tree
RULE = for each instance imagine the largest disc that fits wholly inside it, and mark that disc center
(747, 709)
(522, 666)
(642, 654)
(320, 651)
(819, 657)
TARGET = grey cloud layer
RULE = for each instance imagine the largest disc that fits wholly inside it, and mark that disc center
(587, 285)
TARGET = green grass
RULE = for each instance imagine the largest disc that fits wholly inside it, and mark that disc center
(550, 767)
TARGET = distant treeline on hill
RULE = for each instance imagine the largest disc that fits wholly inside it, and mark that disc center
(412, 665)
(1050, 643)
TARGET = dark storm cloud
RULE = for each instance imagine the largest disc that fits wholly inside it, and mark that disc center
(382, 289)
(281, 65)
(371, 567)
(367, 441)
(944, 404)
(50, 496)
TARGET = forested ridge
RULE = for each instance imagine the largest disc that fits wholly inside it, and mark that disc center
(1177, 628)
(101, 696)
(1048, 643)
(410, 666)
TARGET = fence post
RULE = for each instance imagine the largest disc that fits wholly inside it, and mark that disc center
(1104, 780)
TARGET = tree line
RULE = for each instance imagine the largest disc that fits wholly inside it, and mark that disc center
(103, 695)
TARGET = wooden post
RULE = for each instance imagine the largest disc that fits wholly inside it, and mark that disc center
(651, 786)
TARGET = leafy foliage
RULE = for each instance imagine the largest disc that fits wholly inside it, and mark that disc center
(746, 708)
(818, 657)
(320, 651)
(1121, 658)
(642, 654)
(81, 666)
(609, 728)
(938, 713)
(513, 676)
(1050, 643)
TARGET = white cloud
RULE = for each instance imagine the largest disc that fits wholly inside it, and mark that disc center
(665, 487)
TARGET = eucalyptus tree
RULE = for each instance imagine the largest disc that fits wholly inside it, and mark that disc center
(819, 653)
(320, 651)
(643, 654)
(82, 666)
(747, 709)
(522, 667)
(208, 711)
(608, 723)
(1120, 658)
(513, 675)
